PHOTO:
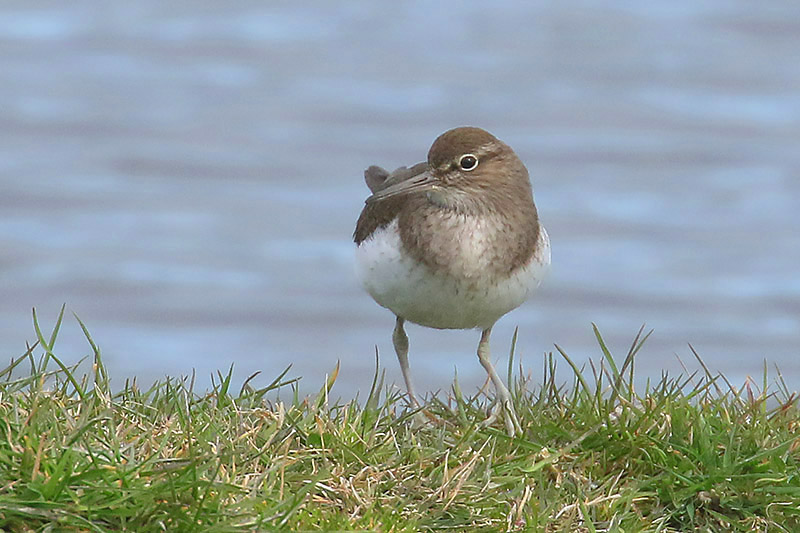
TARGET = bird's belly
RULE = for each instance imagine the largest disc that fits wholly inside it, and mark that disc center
(414, 292)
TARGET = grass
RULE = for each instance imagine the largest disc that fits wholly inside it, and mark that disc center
(690, 453)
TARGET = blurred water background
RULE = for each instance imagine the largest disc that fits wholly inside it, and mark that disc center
(186, 177)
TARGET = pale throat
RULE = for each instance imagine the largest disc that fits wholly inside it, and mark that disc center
(476, 202)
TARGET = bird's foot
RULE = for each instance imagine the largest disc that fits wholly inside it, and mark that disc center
(421, 416)
(504, 407)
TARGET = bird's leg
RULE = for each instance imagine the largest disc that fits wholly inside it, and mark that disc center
(400, 340)
(503, 400)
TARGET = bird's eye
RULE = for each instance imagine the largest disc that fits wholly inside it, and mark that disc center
(468, 162)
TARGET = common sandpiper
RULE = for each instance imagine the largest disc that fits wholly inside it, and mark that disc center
(454, 242)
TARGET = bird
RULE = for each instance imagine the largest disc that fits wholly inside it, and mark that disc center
(453, 242)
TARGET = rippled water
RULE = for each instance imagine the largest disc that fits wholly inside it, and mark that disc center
(187, 178)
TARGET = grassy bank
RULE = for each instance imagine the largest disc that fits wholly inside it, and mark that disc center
(688, 454)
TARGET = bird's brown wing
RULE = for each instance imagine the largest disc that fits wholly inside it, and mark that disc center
(377, 214)
(375, 177)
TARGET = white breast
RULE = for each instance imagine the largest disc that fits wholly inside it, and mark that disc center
(412, 291)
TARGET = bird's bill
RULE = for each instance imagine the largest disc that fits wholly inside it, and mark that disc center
(423, 181)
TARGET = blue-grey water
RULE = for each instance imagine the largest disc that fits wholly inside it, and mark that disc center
(186, 177)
